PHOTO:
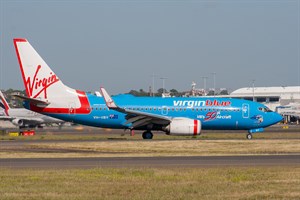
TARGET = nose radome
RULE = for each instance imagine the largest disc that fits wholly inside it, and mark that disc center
(277, 117)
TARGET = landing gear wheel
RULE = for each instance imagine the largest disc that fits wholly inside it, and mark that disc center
(147, 135)
(249, 136)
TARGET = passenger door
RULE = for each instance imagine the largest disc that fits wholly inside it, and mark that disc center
(245, 110)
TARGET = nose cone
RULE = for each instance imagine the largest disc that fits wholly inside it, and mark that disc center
(276, 118)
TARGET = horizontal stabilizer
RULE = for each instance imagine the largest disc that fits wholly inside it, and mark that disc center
(31, 100)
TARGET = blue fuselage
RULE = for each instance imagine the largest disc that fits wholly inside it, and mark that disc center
(214, 113)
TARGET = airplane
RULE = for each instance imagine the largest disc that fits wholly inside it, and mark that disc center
(292, 109)
(47, 94)
(22, 117)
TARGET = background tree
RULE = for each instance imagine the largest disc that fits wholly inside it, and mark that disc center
(224, 92)
(211, 93)
(174, 92)
(140, 93)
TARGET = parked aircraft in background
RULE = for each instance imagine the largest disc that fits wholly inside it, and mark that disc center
(47, 94)
(292, 109)
(22, 117)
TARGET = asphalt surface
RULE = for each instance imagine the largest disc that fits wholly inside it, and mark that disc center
(119, 162)
(193, 162)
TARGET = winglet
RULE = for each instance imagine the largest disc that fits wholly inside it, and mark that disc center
(108, 100)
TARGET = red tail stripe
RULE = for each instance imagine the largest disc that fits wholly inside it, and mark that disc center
(20, 40)
(84, 109)
(20, 63)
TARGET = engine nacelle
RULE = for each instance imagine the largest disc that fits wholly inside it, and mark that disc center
(17, 122)
(184, 126)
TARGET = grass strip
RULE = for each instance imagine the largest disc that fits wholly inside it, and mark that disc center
(152, 183)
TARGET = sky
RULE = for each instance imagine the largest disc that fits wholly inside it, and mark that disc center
(120, 45)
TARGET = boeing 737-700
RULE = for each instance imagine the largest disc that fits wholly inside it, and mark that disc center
(47, 94)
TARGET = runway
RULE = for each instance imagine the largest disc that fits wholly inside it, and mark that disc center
(40, 145)
(192, 162)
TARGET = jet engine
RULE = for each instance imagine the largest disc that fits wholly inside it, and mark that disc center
(18, 122)
(184, 126)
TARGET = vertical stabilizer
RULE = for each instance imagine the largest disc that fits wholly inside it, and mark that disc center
(43, 84)
(3, 104)
(39, 80)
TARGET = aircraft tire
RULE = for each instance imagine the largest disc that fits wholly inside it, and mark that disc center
(249, 136)
(147, 135)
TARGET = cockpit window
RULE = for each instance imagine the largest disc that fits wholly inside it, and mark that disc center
(265, 109)
(268, 109)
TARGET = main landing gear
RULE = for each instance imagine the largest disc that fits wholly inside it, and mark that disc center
(147, 135)
(249, 136)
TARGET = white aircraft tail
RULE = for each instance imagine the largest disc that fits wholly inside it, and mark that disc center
(42, 83)
(4, 104)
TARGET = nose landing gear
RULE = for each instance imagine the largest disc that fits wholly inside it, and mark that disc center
(249, 136)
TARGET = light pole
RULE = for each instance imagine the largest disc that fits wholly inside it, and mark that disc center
(153, 91)
(214, 77)
(204, 82)
(163, 81)
(253, 89)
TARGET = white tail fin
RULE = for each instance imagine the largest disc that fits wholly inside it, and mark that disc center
(39, 79)
(4, 104)
(42, 83)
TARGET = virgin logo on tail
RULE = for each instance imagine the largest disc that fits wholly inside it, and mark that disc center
(38, 84)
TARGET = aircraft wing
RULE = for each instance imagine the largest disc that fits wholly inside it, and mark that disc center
(22, 121)
(6, 118)
(27, 120)
(136, 118)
